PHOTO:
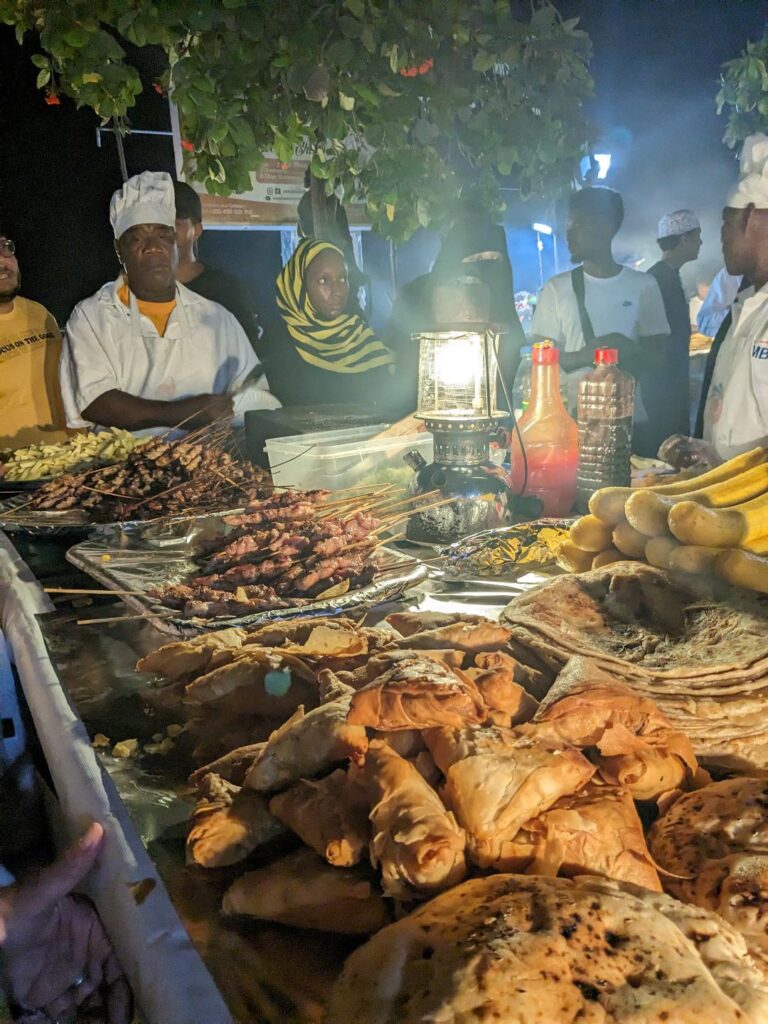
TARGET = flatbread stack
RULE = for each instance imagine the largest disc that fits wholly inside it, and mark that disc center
(539, 950)
(698, 649)
(713, 847)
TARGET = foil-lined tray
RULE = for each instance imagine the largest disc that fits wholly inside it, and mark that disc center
(76, 523)
(137, 570)
(506, 551)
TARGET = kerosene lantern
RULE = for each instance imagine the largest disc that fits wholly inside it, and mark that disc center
(457, 402)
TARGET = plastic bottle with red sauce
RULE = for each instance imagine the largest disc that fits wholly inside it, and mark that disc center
(550, 439)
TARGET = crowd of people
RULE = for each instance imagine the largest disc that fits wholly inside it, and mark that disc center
(173, 343)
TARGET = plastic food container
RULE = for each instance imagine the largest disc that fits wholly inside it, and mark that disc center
(336, 459)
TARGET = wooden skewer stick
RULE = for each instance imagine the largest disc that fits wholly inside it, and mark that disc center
(398, 517)
(126, 618)
(103, 593)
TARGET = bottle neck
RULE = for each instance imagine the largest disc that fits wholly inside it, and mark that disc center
(545, 388)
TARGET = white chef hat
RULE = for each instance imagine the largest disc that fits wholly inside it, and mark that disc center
(146, 198)
(752, 187)
(677, 223)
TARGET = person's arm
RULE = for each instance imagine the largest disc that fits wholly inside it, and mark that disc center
(56, 953)
(117, 408)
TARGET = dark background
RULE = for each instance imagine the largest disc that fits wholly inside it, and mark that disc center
(656, 65)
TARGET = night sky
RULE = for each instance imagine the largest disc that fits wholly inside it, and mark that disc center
(656, 65)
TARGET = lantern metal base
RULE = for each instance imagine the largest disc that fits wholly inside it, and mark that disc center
(483, 499)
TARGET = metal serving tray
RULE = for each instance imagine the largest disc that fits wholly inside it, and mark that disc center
(140, 569)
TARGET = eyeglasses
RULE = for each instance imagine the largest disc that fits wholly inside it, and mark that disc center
(7, 247)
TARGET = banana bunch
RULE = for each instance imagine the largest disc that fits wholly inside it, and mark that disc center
(43, 461)
(715, 523)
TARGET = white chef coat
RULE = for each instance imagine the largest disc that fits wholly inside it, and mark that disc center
(629, 303)
(110, 346)
(736, 413)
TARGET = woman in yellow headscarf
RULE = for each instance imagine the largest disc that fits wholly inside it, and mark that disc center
(318, 353)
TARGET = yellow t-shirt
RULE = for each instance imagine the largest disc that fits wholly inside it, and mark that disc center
(158, 312)
(30, 400)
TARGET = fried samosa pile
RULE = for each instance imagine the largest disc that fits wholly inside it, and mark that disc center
(406, 759)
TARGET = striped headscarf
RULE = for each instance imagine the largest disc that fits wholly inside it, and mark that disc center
(343, 345)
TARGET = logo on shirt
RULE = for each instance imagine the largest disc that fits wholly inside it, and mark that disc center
(627, 302)
(760, 350)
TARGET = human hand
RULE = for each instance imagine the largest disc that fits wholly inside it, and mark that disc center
(218, 407)
(56, 951)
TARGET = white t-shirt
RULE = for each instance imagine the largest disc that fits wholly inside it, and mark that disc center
(715, 307)
(736, 413)
(108, 346)
(629, 303)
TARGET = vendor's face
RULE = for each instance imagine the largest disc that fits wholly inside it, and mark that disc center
(734, 237)
(328, 285)
(10, 278)
(150, 258)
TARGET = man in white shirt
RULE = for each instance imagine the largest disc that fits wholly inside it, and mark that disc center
(145, 352)
(736, 402)
(621, 308)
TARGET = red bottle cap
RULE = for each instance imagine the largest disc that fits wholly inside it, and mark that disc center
(545, 354)
(606, 357)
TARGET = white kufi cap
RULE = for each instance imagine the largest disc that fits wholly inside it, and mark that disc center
(677, 223)
(147, 198)
(752, 188)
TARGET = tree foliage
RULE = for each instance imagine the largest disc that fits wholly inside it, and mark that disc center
(405, 104)
(744, 90)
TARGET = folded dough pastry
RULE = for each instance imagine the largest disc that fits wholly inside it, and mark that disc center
(267, 682)
(383, 661)
(714, 844)
(470, 637)
(228, 823)
(639, 747)
(293, 631)
(416, 695)
(499, 678)
(306, 745)
(514, 949)
(232, 767)
(304, 891)
(330, 815)
(191, 657)
(498, 779)
(416, 842)
(408, 623)
(596, 831)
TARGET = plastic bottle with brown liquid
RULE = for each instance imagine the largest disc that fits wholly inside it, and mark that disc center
(606, 405)
(546, 465)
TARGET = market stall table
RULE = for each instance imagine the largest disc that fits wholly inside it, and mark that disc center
(80, 681)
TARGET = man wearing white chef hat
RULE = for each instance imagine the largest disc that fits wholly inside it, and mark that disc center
(146, 353)
(735, 395)
(668, 401)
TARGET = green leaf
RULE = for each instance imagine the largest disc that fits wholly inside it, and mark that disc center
(43, 77)
(76, 36)
(357, 7)
(367, 39)
(341, 52)
(387, 90)
(346, 102)
(393, 60)
(92, 78)
(39, 60)
(483, 62)
(366, 93)
(422, 213)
